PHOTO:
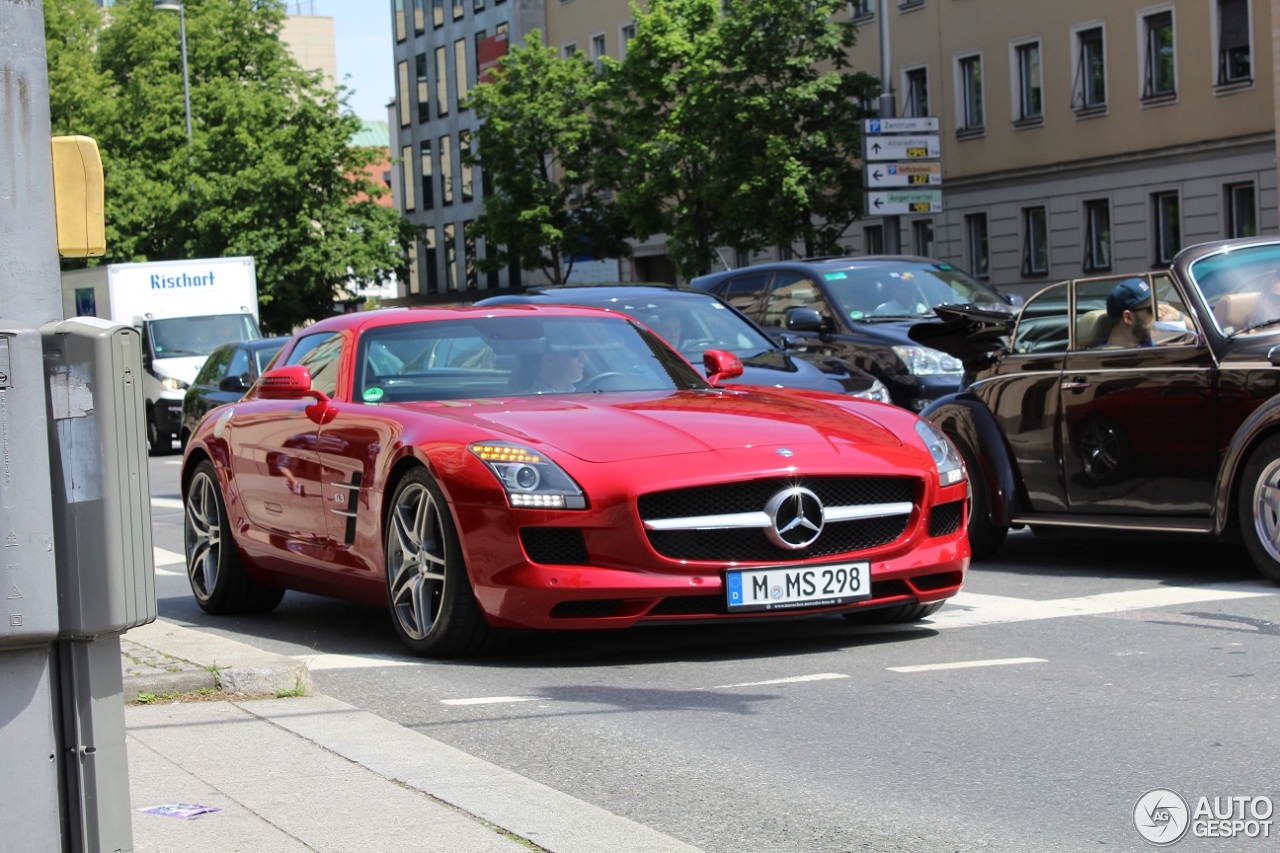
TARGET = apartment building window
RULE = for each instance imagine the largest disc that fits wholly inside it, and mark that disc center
(415, 279)
(917, 90)
(625, 35)
(446, 170)
(461, 73)
(464, 161)
(459, 9)
(402, 79)
(1035, 241)
(971, 118)
(428, 176)
(1235, 59)
(1242, 210)
(437, 13)
(922, 237)
(568, 51)
(429, 259)
(419, 17)
(1027, 76)
(1168, 225)
(451, 257)
(909, 5)
(469, 255)
(401, 33)
(442, 82)
(424, 93)
(406, 178)
(598, 50)
(1097, 235)
(1089, 92)
(873, 240)
(477, 6)
(861, 10)
(476, 40)
(979, 248)
(1158, 82)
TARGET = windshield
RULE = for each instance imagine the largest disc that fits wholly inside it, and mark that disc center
(690, 324)
(1242, 287)
(512, 357)
(897, 290)
(175, 337)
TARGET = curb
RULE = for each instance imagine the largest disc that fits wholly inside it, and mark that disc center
(162, 657)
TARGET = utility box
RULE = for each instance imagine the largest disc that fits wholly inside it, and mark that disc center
(28, 582)
(101, 485)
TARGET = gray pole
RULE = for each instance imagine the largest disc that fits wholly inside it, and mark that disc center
(892, 237)
(186, 80)
(30, 295)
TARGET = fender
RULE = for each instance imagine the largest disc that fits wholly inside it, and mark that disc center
(1263, 421)
(965, 419)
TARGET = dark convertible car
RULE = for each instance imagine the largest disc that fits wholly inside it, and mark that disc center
(1064, 424)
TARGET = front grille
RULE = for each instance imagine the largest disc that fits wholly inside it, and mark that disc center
(944, 519)
(751, 545)
(561, 546)
(752, 496)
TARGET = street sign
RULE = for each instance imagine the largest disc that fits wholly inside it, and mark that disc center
(907, 174)
(901, 147)
(894, 202)
(917, 124)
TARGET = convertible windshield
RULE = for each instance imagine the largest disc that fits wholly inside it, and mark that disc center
(1242, 287)
(906, 290)
(488, 356)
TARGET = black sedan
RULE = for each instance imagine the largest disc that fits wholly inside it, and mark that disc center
(228, 372)
(860, 309)
(1146, 403)
(693, 322)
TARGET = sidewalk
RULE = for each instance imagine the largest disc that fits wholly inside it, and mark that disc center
(310, 773)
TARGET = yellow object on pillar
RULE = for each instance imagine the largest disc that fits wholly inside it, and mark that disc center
(78, 198)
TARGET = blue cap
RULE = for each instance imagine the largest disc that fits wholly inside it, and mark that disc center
(1127, 294)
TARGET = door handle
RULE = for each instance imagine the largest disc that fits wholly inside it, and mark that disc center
(1077, 383)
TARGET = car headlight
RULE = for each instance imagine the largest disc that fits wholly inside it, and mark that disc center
(530, 480)
(923, 361)
(876, 392)
(172, 384)
(944, 453)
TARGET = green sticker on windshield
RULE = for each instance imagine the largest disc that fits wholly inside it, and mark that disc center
(835, 276)
(855, 315)
(372, 395)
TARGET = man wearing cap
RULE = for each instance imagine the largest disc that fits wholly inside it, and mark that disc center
(1132, 313)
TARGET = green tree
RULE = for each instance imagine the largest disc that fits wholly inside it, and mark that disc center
(268, 172)
(535, 143)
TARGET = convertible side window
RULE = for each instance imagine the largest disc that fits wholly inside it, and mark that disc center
(1043, 326)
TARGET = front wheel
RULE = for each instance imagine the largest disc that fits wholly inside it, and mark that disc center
(218, 577)
(160, 443)
(1258, 506)
(433, 608)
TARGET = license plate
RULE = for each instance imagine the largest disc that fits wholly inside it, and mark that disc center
(797, 588)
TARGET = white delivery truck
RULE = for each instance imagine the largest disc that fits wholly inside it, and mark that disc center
(183, 308)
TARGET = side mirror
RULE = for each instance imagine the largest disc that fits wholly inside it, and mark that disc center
(721, 365)
(286, 383)
(234, 383)
(803, 320)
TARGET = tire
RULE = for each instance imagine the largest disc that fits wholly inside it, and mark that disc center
(1258, 507)
(433, 608)
(217, 575)
(160, 443)
(899, 613)
(985, 536)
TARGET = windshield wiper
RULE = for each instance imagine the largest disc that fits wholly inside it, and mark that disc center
(1270, 322)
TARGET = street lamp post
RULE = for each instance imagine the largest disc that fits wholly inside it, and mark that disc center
(176, 6)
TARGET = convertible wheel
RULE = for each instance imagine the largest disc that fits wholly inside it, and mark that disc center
(433, 608)
(985, 536)
(900, 613)
(218, 577)
(1258, 507)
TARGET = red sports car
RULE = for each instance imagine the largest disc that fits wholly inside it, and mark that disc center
(547, 467)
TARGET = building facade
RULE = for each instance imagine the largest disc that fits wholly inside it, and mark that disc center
(1076, 138)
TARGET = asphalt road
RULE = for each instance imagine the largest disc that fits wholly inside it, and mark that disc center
(1070, 677)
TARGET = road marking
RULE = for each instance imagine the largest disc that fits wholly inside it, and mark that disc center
(489, 700)
(964, 664)
(315, 662)
(822, 676)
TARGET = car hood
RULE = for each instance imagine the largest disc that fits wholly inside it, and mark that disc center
(627, 426)
(976, 336)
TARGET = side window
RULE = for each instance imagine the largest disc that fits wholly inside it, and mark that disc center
(790, 290)
(239, 363)
(1043, 325)
(215, 367)
(319, 354)
(1119, 312)
(744, 292)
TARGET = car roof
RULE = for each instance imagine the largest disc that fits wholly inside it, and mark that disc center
(358, 321)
